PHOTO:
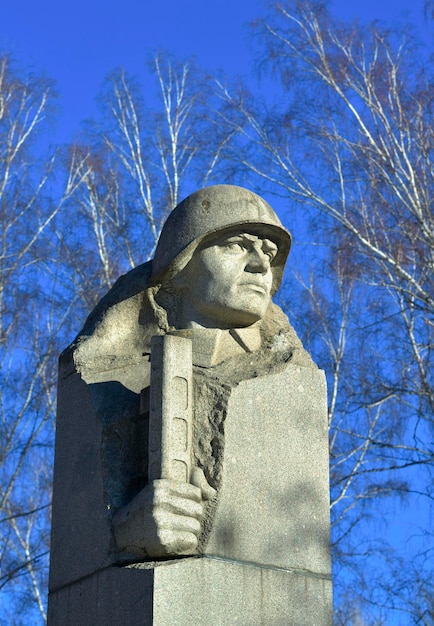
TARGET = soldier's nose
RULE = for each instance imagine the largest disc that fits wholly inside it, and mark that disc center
(257, 261)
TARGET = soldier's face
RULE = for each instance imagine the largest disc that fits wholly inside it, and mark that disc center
(227, 283)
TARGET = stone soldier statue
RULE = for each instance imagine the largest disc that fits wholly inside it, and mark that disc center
(219, 260)
(258, 432)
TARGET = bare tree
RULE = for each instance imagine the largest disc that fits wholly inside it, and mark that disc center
(32, 322)
(27, 392)
(137, 162)
(350, 140)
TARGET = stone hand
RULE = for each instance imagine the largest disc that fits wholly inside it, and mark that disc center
(164, 518)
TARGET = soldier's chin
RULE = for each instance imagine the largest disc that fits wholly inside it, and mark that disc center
(227, 314)
(246, 316)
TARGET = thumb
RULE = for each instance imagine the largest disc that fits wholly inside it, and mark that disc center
(198, 480)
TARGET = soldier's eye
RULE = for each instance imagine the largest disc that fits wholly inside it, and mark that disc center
(270, 249)
(234, 246)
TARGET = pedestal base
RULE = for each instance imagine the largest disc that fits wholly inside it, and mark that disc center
(195, 592)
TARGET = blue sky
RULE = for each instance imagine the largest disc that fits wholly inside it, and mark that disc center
(78, 43)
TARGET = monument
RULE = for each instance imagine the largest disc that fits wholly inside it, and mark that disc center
(191, 468)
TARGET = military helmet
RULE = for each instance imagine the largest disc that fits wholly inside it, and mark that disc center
(210, 211)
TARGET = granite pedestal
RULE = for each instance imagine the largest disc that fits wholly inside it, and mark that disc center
(267, 557)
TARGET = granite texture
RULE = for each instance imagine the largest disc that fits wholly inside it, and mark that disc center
(273, 505)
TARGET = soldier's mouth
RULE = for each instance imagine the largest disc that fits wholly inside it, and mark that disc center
(255, 287)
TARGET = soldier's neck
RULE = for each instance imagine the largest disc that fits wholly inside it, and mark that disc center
(212, 346)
